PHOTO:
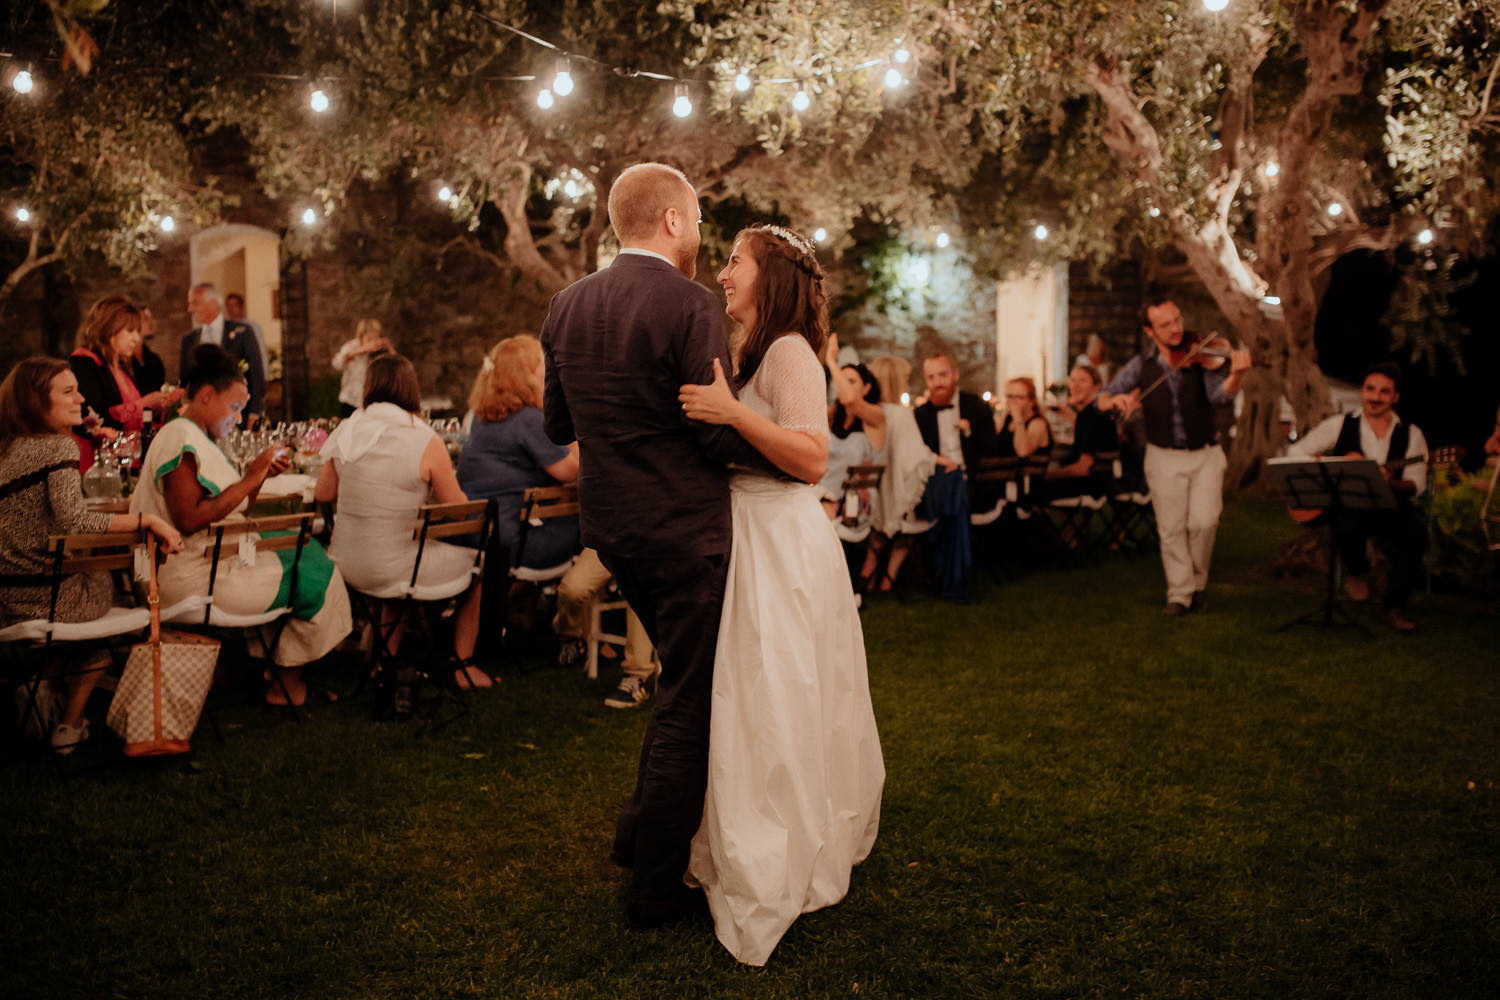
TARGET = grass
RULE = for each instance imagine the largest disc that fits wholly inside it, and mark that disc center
(1084, 799)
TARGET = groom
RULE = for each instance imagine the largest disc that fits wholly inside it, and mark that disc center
(654, 497)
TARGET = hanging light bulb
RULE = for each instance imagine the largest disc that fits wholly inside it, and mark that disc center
(1215, 5)
(820, 234)
(23, 215)
(742, 82)
(571, 188)
(1272, 169)
(902, 56)
(942, 240)
(987, 395)
(893, 78)
(800, 100)
(445, 194)
(906, 399)
(562, 83)
(318, 101)
(1424, 237)
(23, 82)
(682, 104)
(1040, 232)
(1154, 212)
(167, 224)
(544, 99)
(1335, 209)
(309, 216)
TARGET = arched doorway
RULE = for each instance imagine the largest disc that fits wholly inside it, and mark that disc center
(245, 259)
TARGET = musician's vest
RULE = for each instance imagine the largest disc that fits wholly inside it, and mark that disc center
(1348, 442)
(1192, 398)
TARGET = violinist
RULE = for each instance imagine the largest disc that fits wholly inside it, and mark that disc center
(1176, 384)
(1377, 433)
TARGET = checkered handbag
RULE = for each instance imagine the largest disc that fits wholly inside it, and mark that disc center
(161, 694)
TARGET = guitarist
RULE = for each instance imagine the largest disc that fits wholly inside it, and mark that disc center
(1377, 433)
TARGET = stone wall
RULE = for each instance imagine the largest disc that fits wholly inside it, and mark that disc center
(1106, 302)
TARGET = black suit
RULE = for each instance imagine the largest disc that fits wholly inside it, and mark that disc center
(981, 442)
(239, 343)
(654, 502)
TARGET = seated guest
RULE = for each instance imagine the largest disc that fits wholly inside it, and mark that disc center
(508, 453)
(908, 466)
(146, 369)
(583, 583)
(103, 362)
(40, 495)
(1096, 356)
(1023, 430)
(856, 426)
(186, 479)
(960, 427)
(1093, 432)
(1378, 433)
(383, 463)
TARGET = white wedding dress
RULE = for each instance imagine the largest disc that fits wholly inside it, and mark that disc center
(794, 766)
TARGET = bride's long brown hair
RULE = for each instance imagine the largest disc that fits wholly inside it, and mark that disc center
(788, 295)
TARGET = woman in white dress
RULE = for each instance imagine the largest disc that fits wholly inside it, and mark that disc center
(795, 771)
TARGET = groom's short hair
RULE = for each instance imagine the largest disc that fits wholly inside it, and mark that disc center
(640, 195)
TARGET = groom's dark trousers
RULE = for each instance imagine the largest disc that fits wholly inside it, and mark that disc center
(653, 492)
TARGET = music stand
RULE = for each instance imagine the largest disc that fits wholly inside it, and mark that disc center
(1332, 485)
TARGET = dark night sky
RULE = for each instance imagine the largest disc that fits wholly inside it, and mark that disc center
(1449, 407)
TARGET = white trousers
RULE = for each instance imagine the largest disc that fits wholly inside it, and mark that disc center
(1187, 494)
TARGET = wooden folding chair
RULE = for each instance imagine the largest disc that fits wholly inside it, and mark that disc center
(853, 522)
(112, 552)
(538, 505)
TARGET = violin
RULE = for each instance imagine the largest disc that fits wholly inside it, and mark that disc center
(1209, 352)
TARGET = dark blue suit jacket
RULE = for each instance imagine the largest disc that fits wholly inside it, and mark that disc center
(240, 344)
(619, 344)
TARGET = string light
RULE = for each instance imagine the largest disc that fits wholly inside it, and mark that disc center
(309, 216)
(942, 240)
(23, 82)
(1040, 232)
(1272, 300)
(445, 194)
(893, 78)
(1154, 212)
(820, 234)
(1424, 237)
(544, 99)
(562, 83)
(800, 100)
(1335, 209)
(987, 395)
(1272, 169)
(318, 101)
(571, 188)
(906, 399)
(167, 224)
(23, 215)
(902, 56)
(682, 104)
(742, 82)
(1215, 5)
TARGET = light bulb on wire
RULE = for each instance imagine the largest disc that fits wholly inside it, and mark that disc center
(1215, 5)
(571, 188)
(23, 215)
(1335, 209)
(562, 83)
(544, 99)
(23, 82)
(318, 101)
(1040, 232)
(800, 100)
(309, 216)
(167, 223)
(445, 194)
(893, 78)
(1272, 169)
(1154, 212)
(1424, 237)
(942, 240)
(682, 104)
(742, 82)
(902, 55)
(820, 234)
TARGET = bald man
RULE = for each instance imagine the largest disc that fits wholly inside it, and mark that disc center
(653, 491)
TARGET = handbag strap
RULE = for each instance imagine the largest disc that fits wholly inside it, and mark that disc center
(153, 595)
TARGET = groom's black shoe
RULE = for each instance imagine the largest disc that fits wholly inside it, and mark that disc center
(651, 914)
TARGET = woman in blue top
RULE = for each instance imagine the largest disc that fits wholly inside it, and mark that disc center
(508, 453)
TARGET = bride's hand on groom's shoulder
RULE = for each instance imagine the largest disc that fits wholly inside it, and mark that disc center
(713, 403)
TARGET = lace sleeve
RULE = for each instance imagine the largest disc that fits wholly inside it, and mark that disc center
(790, 380)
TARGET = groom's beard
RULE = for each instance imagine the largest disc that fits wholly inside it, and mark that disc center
(688, 263)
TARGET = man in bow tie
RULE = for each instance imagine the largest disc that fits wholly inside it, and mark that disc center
(959, 427)
(210, 326)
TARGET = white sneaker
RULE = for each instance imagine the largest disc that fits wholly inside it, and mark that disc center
(65, 737)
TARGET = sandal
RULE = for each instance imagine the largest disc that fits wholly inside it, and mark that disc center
(466, 675)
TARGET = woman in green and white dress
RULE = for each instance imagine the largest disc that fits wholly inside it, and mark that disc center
(187, 480)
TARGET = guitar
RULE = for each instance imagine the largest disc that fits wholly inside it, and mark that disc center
(1392, 468)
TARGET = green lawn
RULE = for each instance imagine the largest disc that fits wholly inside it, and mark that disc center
(1084, 799)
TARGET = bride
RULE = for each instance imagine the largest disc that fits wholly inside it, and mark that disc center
(795, 771)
